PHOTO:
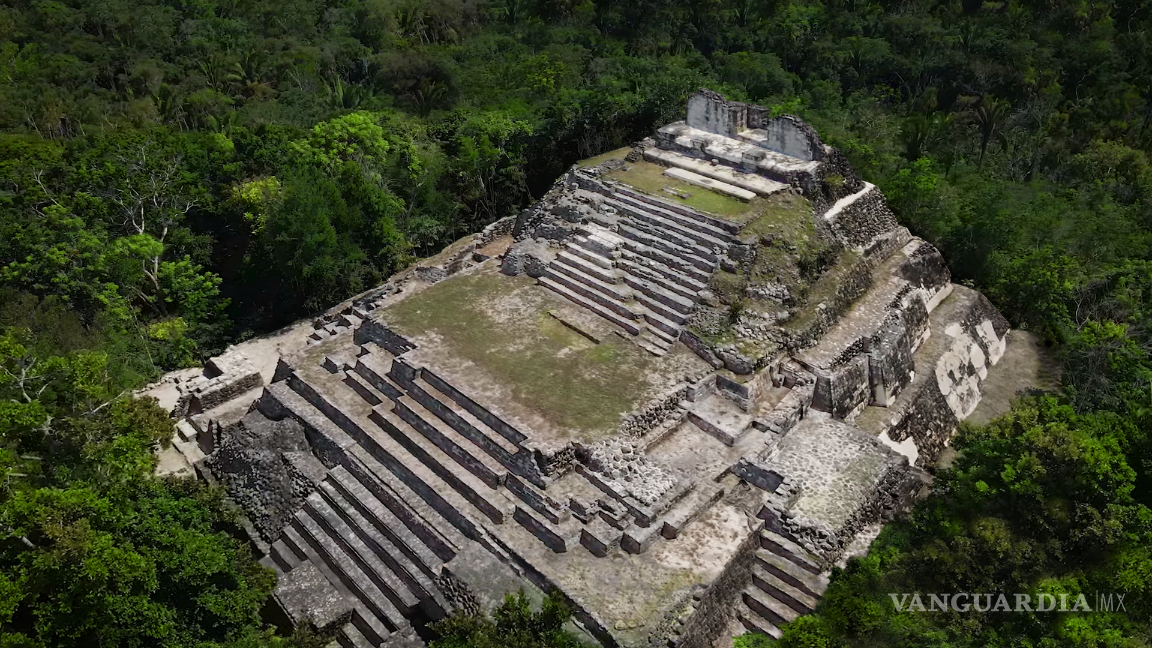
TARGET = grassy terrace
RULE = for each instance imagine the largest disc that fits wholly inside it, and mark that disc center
(540, 367)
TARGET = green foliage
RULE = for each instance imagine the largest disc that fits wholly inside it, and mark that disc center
(512, 625)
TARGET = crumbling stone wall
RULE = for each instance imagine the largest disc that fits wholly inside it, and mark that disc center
(863, 219)
(267, 468)
(717, 605)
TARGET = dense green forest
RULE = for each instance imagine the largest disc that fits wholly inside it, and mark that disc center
(177, 175)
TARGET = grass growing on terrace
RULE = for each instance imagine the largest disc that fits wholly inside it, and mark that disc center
(650, 178)
(501, 324)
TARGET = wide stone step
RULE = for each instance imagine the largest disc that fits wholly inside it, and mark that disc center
(752, 182)
(351, 637)
(380, 516)
(784, 547)
(687, 256)
(576, 248)
(767, 607)
(362, 390)
(672, 261)
(490, 418)
(718, 186)
(653, 306)
(609, 301)
(367, 620)
(400, 506)
(374, 371)
(753, 622)
(718, 228)
(625, 323)
(557, 537)
(587, 267)
(414, 578)
(787, 571)
(475, 435)
(471, 489)
(689, 508)
(283, 557)
(651, 343)
(366, 557)
(657, 292)
(402, 447)
(664, 325)
(659, 219)
(677, 241)
(682, 286)
(791, 596)
(616, 291)
(450, 442)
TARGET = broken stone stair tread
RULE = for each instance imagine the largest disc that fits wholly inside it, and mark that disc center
(719, 228)
(305, 412)
(623, 322)
(478, 495)
(767, 606)
(702, 260)
(351, 637)
(749, 182)
(659, 337)
(637, 272)
(616, 291)
(791, 573)
(415, 577)
(599, 537)
(591, 256)
(667, 220)
(356, 384)
(606, 275)
(690, 508)
(673, 318)
(782, 591)
(637, 539)
(719, 186)
(284, 558)
(673, 261)
(593, 293)
(657, 292)
(650, 343)
(753, 622)
(367, 557)
(374, 369)
(786, 548)
(452, 443)
(688, 277)
(377, 513)
(464, 415)
(557, 537)
(403, 508)
(710, 252)
(373, 627)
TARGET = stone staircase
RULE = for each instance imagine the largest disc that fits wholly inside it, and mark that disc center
(786, 583)
(644, 274)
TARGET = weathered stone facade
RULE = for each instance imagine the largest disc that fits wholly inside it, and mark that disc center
(569, 399)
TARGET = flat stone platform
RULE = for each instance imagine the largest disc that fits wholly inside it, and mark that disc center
(530, 355)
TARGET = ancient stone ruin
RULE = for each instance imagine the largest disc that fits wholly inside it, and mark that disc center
(680, 388)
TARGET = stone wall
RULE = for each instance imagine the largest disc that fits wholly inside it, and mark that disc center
(386, 338)
(710, 112)
(858, 222)
(718, 603)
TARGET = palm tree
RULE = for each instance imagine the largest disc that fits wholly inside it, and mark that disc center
(991, 116)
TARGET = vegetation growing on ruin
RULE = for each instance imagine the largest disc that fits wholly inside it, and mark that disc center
(179, 175)
(512, 625)
(492, 321)
(649, 177)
